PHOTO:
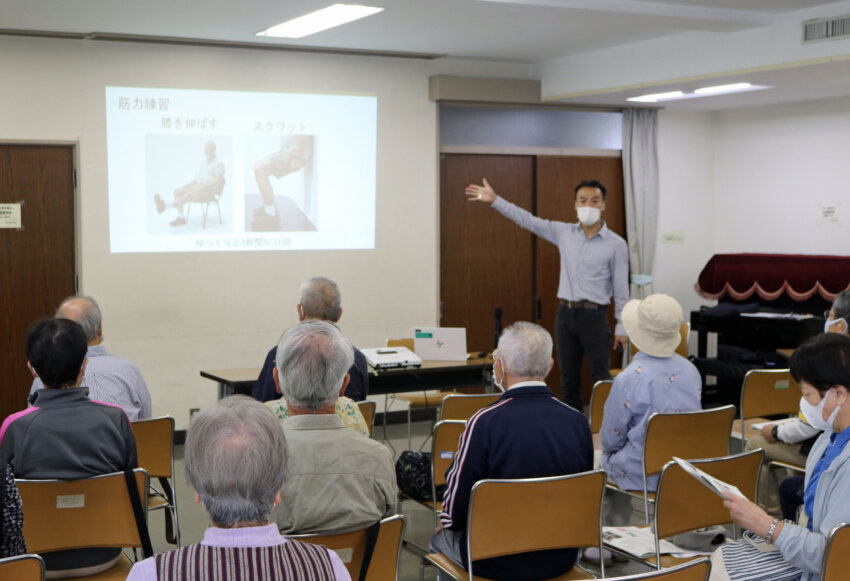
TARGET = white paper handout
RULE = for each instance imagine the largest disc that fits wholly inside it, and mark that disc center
(636, 541)
(717, 486)
(760, 425)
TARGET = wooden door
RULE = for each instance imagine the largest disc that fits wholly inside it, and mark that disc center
(557, 178)
(485, 260)
(37, 261)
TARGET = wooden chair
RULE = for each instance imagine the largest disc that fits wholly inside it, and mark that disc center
(766, 392)
(367, 408)
(155, 447)
(699, 434)
(457, 406)
(685, 504)
(22, 568)
(836, 556)
(350, 546)
(211, 195)
(682, 349)
(416, 399)
(696, 570)
(598, 397)
(80, 514)
(540, 513)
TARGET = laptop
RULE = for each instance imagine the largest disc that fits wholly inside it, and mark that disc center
(389, 357)
(440, 343)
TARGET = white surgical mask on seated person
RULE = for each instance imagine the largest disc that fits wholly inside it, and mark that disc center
(588, 215)
(829, 323)
(499, 383)
(814, 413)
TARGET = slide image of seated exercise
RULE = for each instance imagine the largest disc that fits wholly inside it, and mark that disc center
(187, 184)
(286, 203)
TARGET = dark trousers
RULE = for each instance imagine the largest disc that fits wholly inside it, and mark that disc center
(578, 333)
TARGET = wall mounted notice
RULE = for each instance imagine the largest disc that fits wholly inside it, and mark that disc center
(10, 216)
(207, 171)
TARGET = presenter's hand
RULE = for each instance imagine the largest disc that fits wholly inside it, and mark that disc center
(621, 342)
(481, 193)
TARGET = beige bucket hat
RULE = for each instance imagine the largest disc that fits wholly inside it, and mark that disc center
(652, 324)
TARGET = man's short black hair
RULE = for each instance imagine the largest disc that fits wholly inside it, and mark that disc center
(591, 184)
(56, 349)
(823, 361)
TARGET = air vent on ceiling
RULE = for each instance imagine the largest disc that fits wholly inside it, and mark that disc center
(826, 29)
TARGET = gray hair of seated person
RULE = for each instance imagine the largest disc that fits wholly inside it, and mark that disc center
(841, 305)
(312, 360)
(321, 299)
(235, 459)
(525, 350)
(91, 316)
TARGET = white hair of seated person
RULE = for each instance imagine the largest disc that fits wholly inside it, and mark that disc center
(525, 350)
(320, 299)
(83, 310)
(235, 460)
(312, 361)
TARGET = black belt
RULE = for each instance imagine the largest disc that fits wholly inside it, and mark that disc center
(580, 304)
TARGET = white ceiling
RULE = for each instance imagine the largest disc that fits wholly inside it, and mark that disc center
(519, 31)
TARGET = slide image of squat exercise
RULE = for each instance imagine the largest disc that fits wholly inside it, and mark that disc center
(187, 184)
(280, 192)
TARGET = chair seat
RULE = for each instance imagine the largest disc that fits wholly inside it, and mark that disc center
(422, 399)
(117, 573)
(156, 501)
(450, 567)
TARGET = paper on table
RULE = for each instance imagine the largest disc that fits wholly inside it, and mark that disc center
(717, 486)
(636, 541)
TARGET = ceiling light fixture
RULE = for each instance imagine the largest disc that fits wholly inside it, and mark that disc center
(734, 87)
(657, 97)
(320, 20)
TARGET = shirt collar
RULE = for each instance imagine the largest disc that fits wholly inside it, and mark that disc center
(527, 384)
(313, 422)
(263, 536)
(60, 396)
(840, 438)
(603, 232)
(96, 350)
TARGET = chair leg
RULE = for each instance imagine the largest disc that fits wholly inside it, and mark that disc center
(188, 209)
(206, 209)
(409, 440)
(218, 207)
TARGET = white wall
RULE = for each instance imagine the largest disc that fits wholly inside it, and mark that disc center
(174, 314)
(686, 152)
(775, 167)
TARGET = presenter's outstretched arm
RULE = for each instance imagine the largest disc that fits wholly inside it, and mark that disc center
(483, 193)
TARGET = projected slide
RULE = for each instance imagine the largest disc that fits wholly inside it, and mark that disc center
(212, 171)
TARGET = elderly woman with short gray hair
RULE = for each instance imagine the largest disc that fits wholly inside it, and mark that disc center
(236, 458)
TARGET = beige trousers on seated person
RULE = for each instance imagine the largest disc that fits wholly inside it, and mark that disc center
(770, 479)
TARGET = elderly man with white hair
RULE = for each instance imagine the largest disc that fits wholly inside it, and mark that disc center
(338, 478)
(110, 378)
(527, 433)
(236, 457)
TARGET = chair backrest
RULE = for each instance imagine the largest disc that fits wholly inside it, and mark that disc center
(768, 392)
(696, 570)
(400, 343)
(350, 546)
(681, 349)
(155, 445)
(683, 503)
(22, 568)
(541, 513)
(77, 514)
(443, 448)
(836, 557)
(598, 397)
(688, 435)
(367, 408)
(463, 406)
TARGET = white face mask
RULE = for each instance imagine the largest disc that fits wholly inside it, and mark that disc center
(814, 413)
(827, 324)
(588, 215)
(499, 383)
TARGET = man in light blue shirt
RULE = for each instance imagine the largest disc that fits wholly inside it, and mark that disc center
(594, 268)
(110, 379)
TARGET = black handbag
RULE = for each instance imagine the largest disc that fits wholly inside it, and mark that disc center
(413, 474)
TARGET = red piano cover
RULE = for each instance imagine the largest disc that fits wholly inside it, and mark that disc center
(770, 275)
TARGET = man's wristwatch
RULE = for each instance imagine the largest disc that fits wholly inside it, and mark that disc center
(775, 432)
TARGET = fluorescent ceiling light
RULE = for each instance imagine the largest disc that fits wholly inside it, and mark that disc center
(723, 89)
(319, 20)
(657, 97)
